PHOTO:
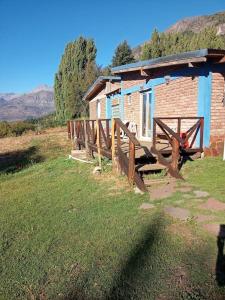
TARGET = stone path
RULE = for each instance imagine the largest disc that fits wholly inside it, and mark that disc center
(161, 192)
(177, 212)
(204, 218)
(213, 204)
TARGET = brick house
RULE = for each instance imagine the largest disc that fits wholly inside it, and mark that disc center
(185, 85)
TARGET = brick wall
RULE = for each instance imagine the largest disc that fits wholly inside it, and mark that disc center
(132, 79)
(217, 131)
(177, 98)
(93, 109)
(132, 109)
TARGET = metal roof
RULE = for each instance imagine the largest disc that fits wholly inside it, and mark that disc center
(170, 58)
(99, 82)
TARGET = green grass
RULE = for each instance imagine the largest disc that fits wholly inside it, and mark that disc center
(209, 174)
(67, 235)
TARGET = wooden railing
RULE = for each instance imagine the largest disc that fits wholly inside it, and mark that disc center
(126, 158)
(103, 136)
(186, 138)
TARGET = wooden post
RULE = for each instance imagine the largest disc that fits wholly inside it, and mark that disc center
(68, 130)
(154, 132)
(131, 165)
(113, 127)
(86, 140)
(175, 154)
(201, 133)
(98, 144)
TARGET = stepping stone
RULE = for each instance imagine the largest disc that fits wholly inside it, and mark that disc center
(146, 206)
(213, 204)
(212, 228)
(162, 192)
(201, 194)
(177, 212)
(203, 218)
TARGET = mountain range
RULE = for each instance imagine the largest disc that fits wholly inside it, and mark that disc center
(34, 104)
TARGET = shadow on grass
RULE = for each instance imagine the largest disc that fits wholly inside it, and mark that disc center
(11, 162)
(127, 282)
(220, 262)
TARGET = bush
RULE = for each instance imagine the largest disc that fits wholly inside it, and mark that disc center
(19, 127)
(15, 128)
(4, 129)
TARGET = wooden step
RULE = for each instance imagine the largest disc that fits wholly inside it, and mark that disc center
(151, 167)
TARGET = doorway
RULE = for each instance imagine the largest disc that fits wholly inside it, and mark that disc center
(146, 130)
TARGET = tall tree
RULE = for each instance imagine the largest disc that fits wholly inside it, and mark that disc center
(123, 55)
(77, 70)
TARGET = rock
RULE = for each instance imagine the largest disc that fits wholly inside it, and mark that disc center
(200, 194)
(177, 212)
(97, 171)
(146, 206)
(138, 191)
(213, 204)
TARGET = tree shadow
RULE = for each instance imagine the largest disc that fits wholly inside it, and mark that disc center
(126, 283)
(15, 161)
(220, 261)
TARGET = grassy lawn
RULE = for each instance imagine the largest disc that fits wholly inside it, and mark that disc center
(65, 234)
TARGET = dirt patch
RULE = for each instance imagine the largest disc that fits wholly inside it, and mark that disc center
(177, 212)
(213, 204)
(21, 142)
(203, 218)
(163, 191)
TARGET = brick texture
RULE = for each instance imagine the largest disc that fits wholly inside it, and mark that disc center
(177, 98)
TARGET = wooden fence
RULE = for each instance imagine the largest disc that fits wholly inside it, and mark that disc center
(103, 136)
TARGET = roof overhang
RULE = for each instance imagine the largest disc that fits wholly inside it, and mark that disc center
(187, 58)
(98, 85)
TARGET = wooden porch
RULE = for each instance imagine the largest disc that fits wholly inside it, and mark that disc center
(112, 139)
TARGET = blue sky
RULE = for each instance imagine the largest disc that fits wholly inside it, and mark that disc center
(33, 33)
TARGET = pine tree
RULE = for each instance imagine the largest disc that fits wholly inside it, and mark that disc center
(123, 55)
(77, 70)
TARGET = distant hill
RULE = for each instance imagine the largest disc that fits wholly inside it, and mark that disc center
(196, 24)
(34, 104)
(192, 25)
